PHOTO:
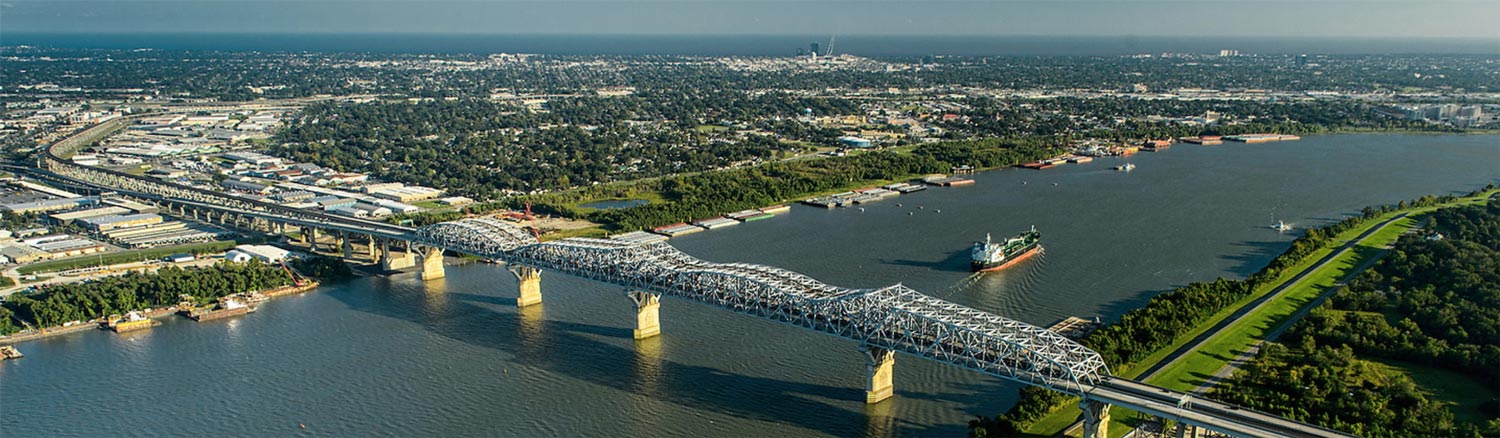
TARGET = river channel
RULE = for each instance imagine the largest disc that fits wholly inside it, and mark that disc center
(455, 357)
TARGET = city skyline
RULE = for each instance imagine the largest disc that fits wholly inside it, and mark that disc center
(1388, 19)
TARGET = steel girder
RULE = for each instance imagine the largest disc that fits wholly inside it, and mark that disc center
(895, 317)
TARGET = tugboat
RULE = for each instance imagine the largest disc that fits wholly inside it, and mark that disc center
(993, 256)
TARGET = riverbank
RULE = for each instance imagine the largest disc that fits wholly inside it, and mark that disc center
(1208, 345)
(166, 312)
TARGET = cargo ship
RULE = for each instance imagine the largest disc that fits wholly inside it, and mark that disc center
(991, 256)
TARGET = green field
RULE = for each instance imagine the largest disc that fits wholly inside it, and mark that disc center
(1462, 393)
(712, 128)
(125, 257)
(429, 204)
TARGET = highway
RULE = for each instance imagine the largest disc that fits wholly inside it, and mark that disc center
(1205, 413)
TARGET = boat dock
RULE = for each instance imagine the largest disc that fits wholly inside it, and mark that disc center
(130, 322)
(1261, 138)
(716, 222)
(640, 237)
(677, 229)
(951, 181)
(226, 307)
(1075, 328)
(1206, 140)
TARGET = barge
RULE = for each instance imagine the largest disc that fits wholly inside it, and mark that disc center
(227, 307)
(132, 321)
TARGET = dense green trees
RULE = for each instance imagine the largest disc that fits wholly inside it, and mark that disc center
(698, 196)
(1430, 301)
(1146, 330)
(1330, 386)
(323, 268)
(482, 148)
(135, 291)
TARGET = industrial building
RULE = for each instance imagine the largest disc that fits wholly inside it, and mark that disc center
(70, 247)
(50, 205)
(264, 253)
(107, 223)
(12, 253)
(407, 194)
(68, 217)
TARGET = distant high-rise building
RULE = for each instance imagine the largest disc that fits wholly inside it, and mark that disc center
(1302, 60)
(815, 49)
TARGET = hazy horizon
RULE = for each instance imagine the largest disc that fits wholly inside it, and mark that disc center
(1443, 19)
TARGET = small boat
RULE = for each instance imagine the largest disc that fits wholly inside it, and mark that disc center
(1125, 167)
(1281, 226)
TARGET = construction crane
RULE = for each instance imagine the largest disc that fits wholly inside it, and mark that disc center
(531, 218)
(295, 279)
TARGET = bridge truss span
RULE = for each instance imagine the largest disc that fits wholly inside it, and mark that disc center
(896, 318)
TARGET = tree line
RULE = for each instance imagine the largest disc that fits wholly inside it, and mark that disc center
(55, 305)
(1430, 301)
(1148, 329)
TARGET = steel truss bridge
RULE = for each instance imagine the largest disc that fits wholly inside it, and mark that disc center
(888, 319)
(895, 317)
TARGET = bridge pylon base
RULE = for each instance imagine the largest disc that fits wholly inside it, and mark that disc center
(647, 314)
(1095, 419)
(432, 264)
(880, 367)
(530, 280)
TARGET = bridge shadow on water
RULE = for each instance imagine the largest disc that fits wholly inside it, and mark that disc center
(957, 261)
(575, 350)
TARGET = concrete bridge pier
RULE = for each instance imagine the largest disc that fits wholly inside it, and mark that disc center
(374, 248)
(530, 280)
(880, 367)
(310, 236)
(1185, 430)
(432, 263)
(647, 313)
(395, 260)
(346, 246)
(1095, 419)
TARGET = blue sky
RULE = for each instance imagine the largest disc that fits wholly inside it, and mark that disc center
(1310, 18)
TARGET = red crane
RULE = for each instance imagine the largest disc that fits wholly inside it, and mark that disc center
(295, 279)
(535, 232)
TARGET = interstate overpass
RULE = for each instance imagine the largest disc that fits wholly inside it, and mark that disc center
(882, 321)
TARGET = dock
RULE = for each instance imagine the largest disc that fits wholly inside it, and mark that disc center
(640, 237)
(1075, 328)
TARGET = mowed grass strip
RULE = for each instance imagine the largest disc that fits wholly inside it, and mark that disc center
(1198, 366)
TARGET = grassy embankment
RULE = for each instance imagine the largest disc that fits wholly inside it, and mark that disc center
(1196, 366)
